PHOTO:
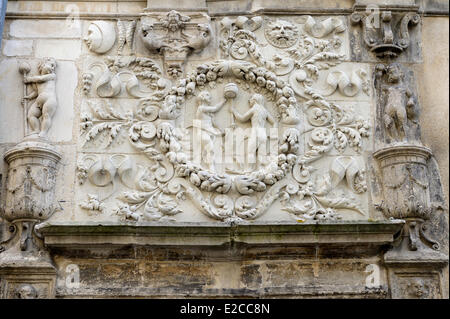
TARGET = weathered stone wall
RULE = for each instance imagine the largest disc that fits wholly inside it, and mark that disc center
(109, 202)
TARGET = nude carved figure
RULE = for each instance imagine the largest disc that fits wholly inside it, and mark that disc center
(258, 116)
(40, 113)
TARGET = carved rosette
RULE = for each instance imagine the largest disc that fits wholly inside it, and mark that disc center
(31, 181)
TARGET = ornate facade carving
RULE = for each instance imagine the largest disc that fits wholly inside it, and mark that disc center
(175, 36)
(30, 189)
(252, 131)
(404, 162)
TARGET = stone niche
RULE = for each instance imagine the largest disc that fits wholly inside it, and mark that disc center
(218, 149)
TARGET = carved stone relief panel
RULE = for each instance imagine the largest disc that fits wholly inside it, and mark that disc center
(261, 127)
(416, 285)
(27, 286)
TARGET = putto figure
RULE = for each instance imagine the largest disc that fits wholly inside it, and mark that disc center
(399, 105)
(40, 113)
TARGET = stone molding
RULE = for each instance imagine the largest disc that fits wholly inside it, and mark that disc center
(324, 233)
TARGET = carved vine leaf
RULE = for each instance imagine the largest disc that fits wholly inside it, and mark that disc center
(152, 202)
(105, 118)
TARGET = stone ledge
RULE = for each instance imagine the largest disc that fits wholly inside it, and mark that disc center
(319, 291)
(206, 234)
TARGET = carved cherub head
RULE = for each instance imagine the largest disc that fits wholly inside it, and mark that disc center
(174, 21)
(204, 97)
(26, 292)
(281, 33)
(418, 288)
(394, 73)
(47, 66)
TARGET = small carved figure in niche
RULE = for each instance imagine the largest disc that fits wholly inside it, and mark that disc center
(26, 292)
(40, 113)
(207, 127)
(258, 115)
(399, 105)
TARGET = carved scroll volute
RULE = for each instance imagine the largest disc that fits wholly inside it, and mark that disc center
(385, 33)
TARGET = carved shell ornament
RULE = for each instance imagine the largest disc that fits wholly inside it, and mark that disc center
(281, 33)
(100, 36)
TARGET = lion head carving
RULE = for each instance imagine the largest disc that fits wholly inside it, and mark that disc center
(281, 33)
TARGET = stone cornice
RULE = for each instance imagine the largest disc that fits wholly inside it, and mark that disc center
(342, 233)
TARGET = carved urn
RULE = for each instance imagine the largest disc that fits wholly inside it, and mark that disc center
(31, 180)
(406, 190)
(405, 181)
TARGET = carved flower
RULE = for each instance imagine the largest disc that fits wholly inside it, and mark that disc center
(270, 85)
(270, 76)
(288, 92)
(202, 69)
(201, 79)
(190, 88)
(148, 131)
(211, 76)
(181, 91)
(250, 76)
(261, 81)
(259, 72)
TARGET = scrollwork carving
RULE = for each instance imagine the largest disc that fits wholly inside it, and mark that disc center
(389, 39)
